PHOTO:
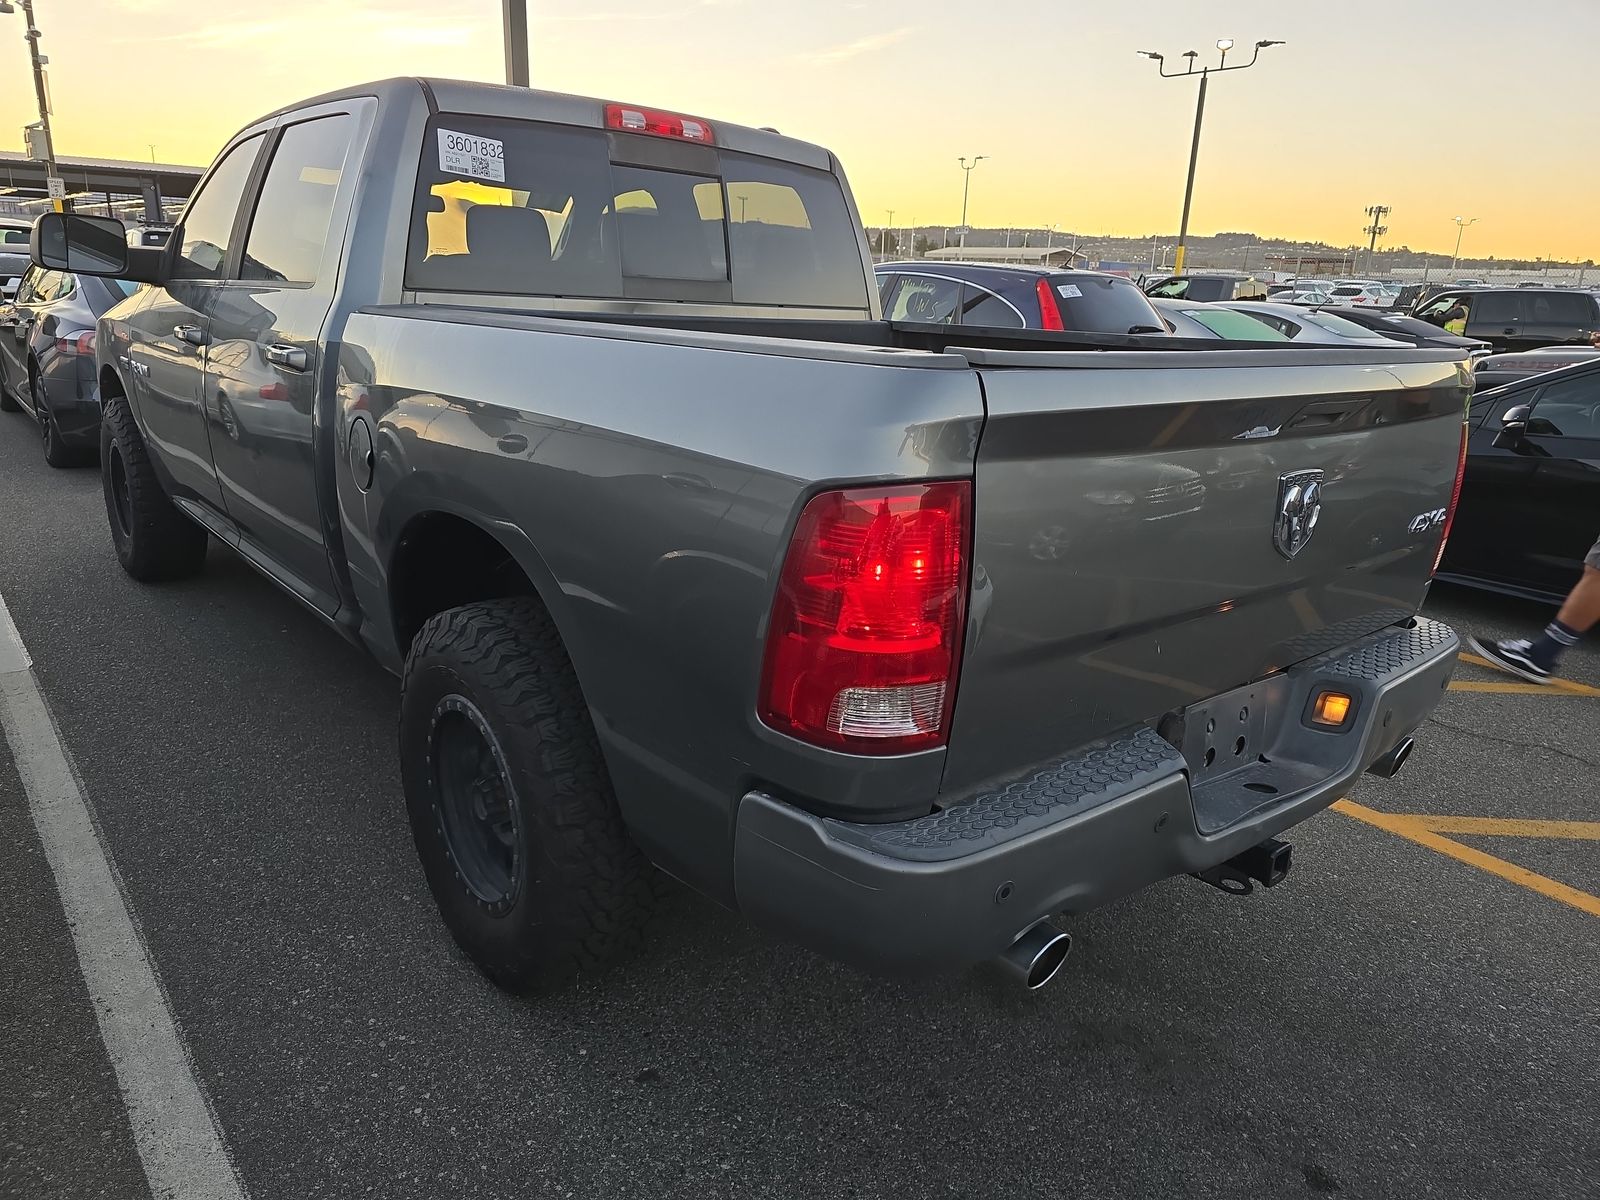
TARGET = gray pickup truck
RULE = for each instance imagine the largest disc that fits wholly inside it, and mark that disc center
(900, 640)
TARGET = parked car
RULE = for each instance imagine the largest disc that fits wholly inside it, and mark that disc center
(1307, 295)
(13, 254)
(1495, 370)
(149, 235)
(1392, 323)
(1185, 318)
(684, 555)
(1001, 297)
(1519, 319)
(47, 363)
(1308, 325)
(1207, 287)
(1532, 486)
(1369, 295)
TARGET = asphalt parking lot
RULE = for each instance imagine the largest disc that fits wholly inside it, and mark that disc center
(1402, 1017)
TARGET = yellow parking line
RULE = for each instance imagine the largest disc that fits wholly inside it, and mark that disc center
(1410, 826)
(1518, 689)
(1577, 831)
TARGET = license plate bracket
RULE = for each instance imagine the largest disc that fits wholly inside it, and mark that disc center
(1226, 733)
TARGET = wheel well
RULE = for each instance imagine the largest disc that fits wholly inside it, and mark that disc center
(443, 561)
(110, 385)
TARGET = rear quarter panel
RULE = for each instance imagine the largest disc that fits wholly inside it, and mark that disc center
(648, 483)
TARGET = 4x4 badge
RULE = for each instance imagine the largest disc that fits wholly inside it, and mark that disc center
(1299, 507)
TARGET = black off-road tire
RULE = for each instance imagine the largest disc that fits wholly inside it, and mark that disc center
(578, 890)
(152, 539)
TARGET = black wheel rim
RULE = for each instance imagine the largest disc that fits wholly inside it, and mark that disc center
(121, 500)
(40, 409)
(230, 423)
(477, 807)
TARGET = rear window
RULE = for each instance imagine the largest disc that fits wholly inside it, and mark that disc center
(1102, 304)
(1344, 328)
(1348, 291)
(1235, 326)
(546, 212)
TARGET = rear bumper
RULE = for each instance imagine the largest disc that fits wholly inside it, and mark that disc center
(75, 405)
(959, 885)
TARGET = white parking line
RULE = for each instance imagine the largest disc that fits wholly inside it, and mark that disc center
(174, 1130)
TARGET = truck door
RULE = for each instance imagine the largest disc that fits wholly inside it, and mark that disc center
(266, 324)
(169, 333)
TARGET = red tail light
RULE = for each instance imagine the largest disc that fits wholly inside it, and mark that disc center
(1455, 499)
(865, 639)
(662, 124)
(1049, 310)
(76, 343)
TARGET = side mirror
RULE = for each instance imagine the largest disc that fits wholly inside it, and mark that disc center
(1513, 425)
(81, 245)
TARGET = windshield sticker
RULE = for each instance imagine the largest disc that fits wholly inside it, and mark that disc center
(472, 156)
(1070, 291)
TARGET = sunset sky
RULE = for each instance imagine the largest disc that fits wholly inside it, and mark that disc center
(1434, 108)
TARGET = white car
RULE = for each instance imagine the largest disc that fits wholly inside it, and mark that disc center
(1369, 295)
(1301, 325)
(1307, 296)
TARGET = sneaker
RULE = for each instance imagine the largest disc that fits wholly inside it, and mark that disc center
(1512, 657)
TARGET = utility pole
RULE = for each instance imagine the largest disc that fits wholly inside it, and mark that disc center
(514, 16)
(1376, 229)
(55, 186)
(1223, 46)
(966, 186)
(883, 242)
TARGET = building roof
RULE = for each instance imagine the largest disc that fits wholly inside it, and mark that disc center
(1014, 254)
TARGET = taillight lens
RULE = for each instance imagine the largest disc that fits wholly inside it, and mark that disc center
(865, 638)
(76, 343)
(628, 119)
(1049, 310)
(1455, 499)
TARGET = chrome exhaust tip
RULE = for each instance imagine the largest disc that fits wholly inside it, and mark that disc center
(1035, 957)
(1389, 765)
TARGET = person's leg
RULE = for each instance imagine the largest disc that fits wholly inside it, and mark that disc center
(1536, 660)
(1581, 612)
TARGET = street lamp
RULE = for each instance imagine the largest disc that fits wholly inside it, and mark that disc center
(1223, 46)
(1461, 227)
(966, 186)
(39, 61)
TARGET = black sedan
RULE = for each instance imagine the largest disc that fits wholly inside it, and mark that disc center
(1001, 296)
(47, 358)
(1395, 324)
(1530, 501)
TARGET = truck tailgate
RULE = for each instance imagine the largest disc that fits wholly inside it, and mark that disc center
(1153, 529)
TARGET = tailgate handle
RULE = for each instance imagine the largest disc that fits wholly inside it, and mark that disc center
(1325, 413)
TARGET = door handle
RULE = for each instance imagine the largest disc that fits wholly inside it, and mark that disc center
(280, 355)
(192, 334)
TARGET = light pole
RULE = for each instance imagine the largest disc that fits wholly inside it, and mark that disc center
(514, 19)
(39, 61)
(966, 186)
(1461, 227)
(1377, 229)
(1223, 46)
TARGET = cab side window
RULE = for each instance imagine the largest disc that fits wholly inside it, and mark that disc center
(1497, 308)
(290, 226)
(208, 223)
(1570, 408)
